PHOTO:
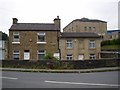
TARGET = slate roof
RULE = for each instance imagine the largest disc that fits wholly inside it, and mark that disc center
(79, 35)
(111, 31)
(33, 26)
(89, 20)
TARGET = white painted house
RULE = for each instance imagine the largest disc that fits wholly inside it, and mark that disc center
(3, 47)
(2, 51)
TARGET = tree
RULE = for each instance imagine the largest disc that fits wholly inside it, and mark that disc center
(4, 36)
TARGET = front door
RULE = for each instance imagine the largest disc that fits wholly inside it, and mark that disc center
(80, 57)
(26, 55)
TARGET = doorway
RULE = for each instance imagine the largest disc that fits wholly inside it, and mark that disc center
(81, 57)
(26, 55)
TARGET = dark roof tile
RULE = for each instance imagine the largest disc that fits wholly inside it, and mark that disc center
(79, 35)
(33, 26)
(89, 20)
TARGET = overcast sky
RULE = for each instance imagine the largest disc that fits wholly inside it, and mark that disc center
(44, 11)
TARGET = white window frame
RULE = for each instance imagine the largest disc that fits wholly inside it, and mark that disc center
(69, 57)
(41, 34)
(40, 53)
(94, 28)
(90, 28)
(92, 56)
(85, 28)
(16, 41)
(92, 44)
(16, 52)
(69, 44)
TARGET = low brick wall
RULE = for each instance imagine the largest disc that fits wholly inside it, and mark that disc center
(61, 64)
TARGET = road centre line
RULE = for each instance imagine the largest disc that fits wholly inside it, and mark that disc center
(9, 78)
(94, 84)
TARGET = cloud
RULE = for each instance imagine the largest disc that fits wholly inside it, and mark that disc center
(40, 11)
(119, 15)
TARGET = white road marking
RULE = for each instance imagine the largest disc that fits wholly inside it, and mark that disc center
(9, 78)
(94, 84)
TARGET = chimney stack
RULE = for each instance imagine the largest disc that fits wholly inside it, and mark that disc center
(15, 20)
(57, 23)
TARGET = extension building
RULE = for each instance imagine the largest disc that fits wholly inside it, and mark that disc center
(79, 46)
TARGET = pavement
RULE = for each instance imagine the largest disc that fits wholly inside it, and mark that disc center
(63, 70)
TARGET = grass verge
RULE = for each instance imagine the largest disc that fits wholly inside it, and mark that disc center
(65, 71)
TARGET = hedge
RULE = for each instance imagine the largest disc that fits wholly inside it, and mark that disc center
(60, 64)
(111, 42)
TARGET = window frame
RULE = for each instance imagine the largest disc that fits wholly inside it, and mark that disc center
(92, 56)
(16, 53)
(43, 35)
(90, 28)
(16, 40)
(40, 53)
(94, 28)
(91, 44)
(69, 56)
(69, 45)
(85, 28)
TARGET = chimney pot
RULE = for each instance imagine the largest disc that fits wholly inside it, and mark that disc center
(57, 17)
(15, 20)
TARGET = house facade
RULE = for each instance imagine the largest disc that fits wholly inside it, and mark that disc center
(88, 25)
(113, 34)
(32, 41)
(3, 46)
(79, 46)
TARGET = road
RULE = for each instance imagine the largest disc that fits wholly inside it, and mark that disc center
(59, 80)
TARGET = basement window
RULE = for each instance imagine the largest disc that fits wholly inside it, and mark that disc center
(69, 57)
(92, 56)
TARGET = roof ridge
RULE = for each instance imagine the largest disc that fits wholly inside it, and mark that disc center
(37, 23)
(33, 26)
(81, 32)
(89, 20)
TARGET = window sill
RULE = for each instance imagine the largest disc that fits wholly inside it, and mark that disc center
(41, 42)
(92, 48)
(69, 48)
(15, 42)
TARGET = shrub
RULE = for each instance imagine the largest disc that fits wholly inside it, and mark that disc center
(49, 56)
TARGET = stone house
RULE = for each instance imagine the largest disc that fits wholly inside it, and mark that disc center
(32, 41)
(88, 25)
(113, 34)
(79, 46)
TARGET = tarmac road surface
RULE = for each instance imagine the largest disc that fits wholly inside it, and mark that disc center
(59, 80)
